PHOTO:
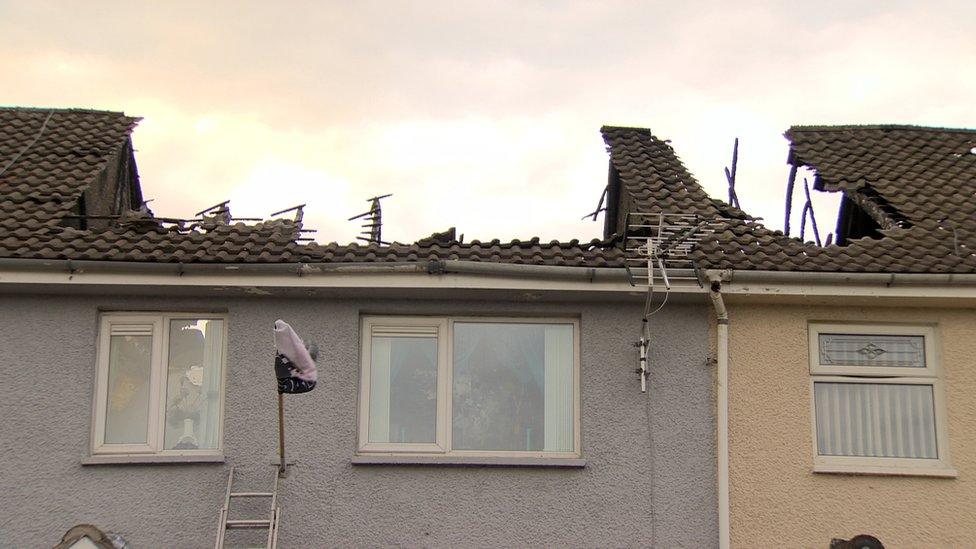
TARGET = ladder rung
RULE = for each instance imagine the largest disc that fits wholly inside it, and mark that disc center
(251, 494)
(249, 523)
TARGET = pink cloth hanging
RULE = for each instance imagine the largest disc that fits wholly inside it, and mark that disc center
(289, 344)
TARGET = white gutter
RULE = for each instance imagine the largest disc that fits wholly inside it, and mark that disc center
(722, 405)
(399, 274)
(791, 284)
(886, 279)
(300, 269)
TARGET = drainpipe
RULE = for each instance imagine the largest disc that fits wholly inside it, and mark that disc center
(722, 403)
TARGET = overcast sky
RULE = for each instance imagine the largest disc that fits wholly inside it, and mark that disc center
(480, 115)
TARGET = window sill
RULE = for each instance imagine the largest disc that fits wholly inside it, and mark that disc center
(938, 472)
(131, 459)
(365, 459)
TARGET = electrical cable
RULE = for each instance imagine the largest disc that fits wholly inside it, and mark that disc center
(661, 306)
(649, 299)
(651, 469)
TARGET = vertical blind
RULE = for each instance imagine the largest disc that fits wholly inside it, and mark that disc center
(875, 420)
(559, 383)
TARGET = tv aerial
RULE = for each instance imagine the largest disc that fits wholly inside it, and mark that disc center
(654, 243)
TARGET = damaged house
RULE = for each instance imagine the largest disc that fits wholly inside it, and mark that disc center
(850, 370)
(491, 393)
(475, 393)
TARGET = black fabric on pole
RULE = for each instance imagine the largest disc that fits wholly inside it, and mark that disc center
(287, 383)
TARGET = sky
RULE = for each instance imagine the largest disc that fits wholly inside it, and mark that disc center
(480, 115)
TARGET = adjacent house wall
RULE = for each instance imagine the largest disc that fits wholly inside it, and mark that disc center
(642, 486)
(776, 499)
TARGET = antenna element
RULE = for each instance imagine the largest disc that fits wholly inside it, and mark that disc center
(373, 222)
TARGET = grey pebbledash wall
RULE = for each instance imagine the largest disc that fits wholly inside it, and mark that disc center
(649, 478)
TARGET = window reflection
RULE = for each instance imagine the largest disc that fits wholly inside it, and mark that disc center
(193, 384)
(513, 387)
(403, 390)
(127, 409)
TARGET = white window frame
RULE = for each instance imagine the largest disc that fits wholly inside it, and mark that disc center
(160, 323)
(930, 375)
(444, 326)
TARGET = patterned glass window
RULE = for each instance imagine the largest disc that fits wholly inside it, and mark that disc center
(890, 351)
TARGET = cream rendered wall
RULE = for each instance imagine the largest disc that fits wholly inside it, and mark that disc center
(775, 498)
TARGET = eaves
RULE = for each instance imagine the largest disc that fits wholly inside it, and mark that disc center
(415, 279)
(849, 289)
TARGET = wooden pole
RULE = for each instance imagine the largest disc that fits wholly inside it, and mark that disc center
(281, 434)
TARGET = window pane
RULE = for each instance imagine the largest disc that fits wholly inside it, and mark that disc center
(513, 387)
(127, 406)
(875, 420)
(898, 351)
(193, 384)
(403, 389)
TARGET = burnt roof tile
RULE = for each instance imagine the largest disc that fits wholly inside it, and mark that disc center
(925, 174)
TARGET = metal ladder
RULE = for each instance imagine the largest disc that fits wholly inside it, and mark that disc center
(270, 523)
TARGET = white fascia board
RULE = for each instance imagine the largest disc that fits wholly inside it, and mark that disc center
(385, 279)
(958, 290)
(847, 290)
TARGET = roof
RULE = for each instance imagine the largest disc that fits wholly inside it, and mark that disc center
(242, 244)
(920, 179)
(918, 183)
(49, 157)
(655, 178)
(917, 174)
(921, 182)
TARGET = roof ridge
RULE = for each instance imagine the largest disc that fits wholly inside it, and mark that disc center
(627, 128)
(849, 127)
(653, 174)
(75, 110)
